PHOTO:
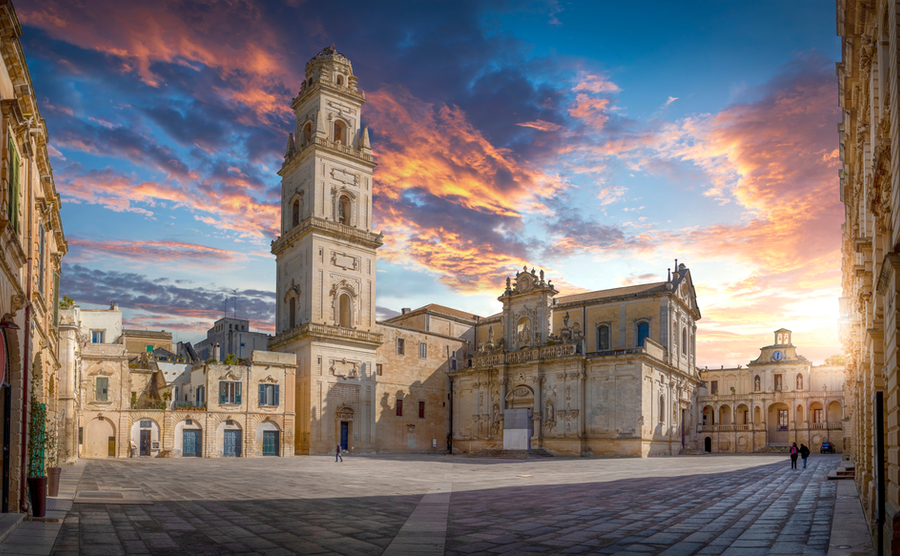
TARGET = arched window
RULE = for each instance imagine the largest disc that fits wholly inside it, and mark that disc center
(292, 309)
(602, 337)
(338, 132)
(662, 410)
(307, 132)
(345, 311)
(295, 213)
(643, 332)
(340, 80)
(799, 382)
(344, 210)
(684, 341)
(756, 384)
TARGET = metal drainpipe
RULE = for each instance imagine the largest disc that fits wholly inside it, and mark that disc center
(27, 347)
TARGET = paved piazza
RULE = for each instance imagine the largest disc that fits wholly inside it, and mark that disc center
(712, 504)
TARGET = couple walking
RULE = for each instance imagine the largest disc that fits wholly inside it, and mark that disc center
(802, 451)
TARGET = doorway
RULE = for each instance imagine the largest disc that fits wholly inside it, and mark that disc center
(190, 447)
(270, 443)
(145, 442)
(4, 429)
(345, 434)
(707, 444)
(111, 446)
(232, 444)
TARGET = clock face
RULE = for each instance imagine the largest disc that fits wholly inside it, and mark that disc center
(777, 356)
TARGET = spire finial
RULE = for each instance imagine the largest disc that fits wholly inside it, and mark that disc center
(291, 146)
(364, 144)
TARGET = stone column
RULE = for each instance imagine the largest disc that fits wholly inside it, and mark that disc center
(538, 409)
(581, 406)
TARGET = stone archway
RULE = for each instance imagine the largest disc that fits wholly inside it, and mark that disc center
(520, 397)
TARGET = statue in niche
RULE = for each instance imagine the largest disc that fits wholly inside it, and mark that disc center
(524, 333)
(491, 335)
(566, 320)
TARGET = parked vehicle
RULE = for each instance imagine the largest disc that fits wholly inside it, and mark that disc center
(827, 448)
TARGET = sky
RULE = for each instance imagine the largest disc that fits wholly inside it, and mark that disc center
(598, 141)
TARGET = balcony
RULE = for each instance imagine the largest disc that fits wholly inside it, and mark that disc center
(333, 146)
(327, 227)
(327, 332)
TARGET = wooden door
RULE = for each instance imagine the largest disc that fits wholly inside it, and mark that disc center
(112, 447)
(191, 444)
(270, 443)
(232, 443)
(345, 434)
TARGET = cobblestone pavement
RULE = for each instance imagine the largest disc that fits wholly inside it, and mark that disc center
(309, 505)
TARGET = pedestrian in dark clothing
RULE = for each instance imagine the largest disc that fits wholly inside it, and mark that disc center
(794, 453)
(804, 453)
(337, 454)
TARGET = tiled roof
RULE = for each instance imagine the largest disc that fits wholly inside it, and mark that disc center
(448, 311)
(614, 292)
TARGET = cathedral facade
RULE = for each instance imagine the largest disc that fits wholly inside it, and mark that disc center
(608, 372)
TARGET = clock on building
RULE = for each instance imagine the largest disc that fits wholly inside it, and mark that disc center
(777, 356)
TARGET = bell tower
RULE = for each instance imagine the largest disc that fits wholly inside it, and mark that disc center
(326, 256)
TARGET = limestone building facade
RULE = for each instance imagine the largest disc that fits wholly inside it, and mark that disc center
(129, 406)
(33, 243)
(869, 188)
(777, 399)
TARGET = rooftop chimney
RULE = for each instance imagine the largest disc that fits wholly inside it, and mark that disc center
(216, 352)
(113, 305)
(405, 310)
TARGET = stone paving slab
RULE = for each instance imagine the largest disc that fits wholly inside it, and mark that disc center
(309, 505)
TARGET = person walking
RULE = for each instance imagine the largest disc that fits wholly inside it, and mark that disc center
(337, 454)
(804, 453)
(794, 453)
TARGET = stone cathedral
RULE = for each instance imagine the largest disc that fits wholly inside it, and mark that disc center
(606, 372)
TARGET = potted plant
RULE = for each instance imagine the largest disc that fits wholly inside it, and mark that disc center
(53, 470)
(37, 446)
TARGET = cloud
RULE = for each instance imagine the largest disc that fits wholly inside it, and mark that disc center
(541, 125)
(154, 252)
(225, 206)
(669, 101)
(136, 292)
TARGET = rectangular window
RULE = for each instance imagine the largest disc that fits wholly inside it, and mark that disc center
(602, 338)
(453, 364)
(399, 407)
(55, 300)
(229, 393)
(421, 410)
(12, 180)
(42, 247)
(268, 394)
(778, 383)
(423, 350)
(714, 387)
(97, 336)
(400, 346)
(818, 416)
(782, 419)
(102, 389)
(378, 369)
